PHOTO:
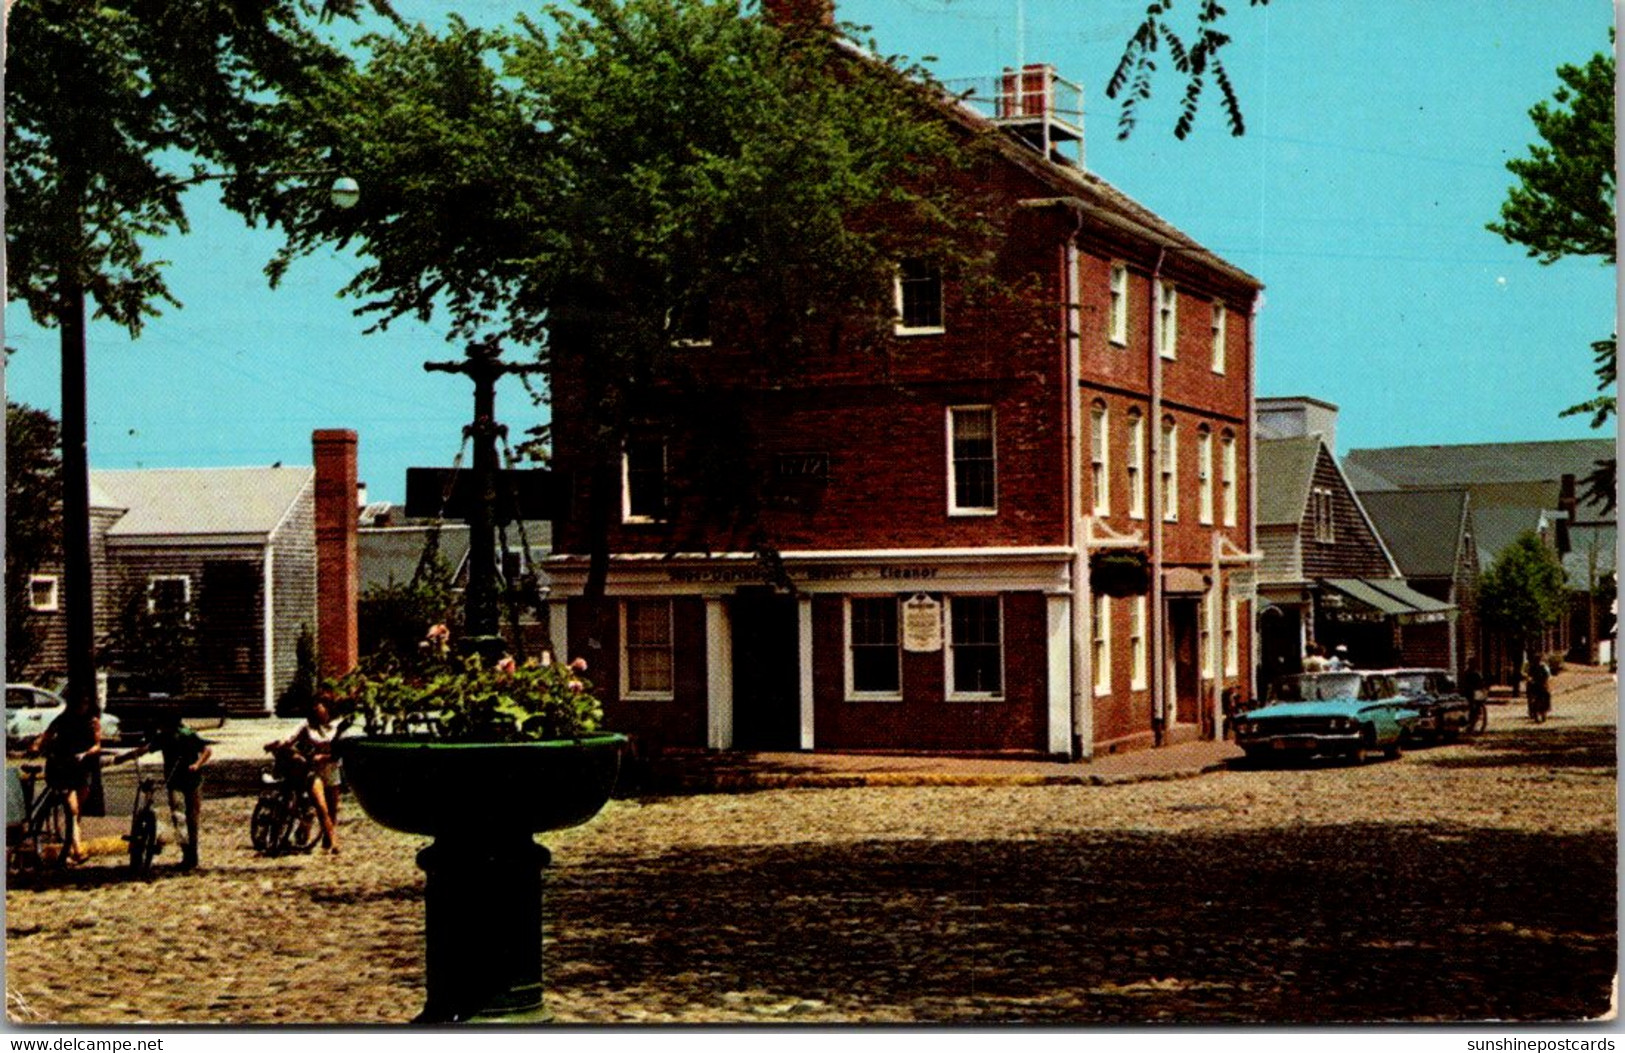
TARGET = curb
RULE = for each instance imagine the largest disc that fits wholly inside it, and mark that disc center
(746, 782)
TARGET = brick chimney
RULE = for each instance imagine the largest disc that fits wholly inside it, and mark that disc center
(337, 574)
(790, 14)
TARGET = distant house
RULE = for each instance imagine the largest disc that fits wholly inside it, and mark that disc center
(235, 550)
(1514, 488)
(1430, 535)
(1327, 576)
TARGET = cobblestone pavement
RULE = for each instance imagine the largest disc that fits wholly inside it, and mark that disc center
(1465, 882)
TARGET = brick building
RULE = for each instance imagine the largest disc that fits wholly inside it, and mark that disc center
(931, 513)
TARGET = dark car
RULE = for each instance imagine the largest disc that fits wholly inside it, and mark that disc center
(1442, 709)
(139, 707)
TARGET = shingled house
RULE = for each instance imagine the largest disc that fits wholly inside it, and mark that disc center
(945, 515)
(235, 550)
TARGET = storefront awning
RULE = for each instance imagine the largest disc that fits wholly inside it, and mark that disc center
(1390, 596)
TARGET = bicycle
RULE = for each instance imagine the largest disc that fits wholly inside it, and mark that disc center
(143, 835)
(42, 835)
(1478, 715)
(285, 817)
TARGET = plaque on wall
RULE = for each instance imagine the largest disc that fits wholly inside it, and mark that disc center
(922, 623)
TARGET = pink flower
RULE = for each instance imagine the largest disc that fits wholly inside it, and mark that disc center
(506, 666)
(579, 665)
(439, 633)
(576, 687)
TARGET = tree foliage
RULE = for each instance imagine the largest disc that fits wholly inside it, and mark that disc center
(112, 109)
(1563, 205)
(1195, 57)
(33, 535)
(1523, 592)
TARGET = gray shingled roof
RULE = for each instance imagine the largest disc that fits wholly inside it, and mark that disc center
(1474, 464)
(1583, 540)
(228, 502)
(1285, 471)
(390, 555)
(1422, 528)
(1497, 527)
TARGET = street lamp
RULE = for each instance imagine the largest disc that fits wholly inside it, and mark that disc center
(79, 598)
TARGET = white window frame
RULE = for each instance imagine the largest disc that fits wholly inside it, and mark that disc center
(852, 692)
(186, 590)
(1100, 630)
(627, 515)
(1100, 458)
(674, 322)
(1136, 464)
(1204, 476)
(1117, 321)
(954, 693)
(1137, 643)
(1227, 451)
(901, 328)
(1219, 327)
(1167, 319)
(1169, 471)
(50, 605)
(647, 695)
(954, 507)
(1325, 520)
(1232, 637)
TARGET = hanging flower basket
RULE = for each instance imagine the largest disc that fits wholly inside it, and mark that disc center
(1119, 573)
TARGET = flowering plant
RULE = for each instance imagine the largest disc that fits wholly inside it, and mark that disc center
(462, 700)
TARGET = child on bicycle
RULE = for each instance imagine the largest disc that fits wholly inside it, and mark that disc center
(312, 744)
(185, 752)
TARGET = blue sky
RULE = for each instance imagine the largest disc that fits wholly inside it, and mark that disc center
(1377, 138)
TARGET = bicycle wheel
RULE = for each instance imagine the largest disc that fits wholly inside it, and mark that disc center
(51, 831)
(143, 842)
(306, 828)
(268, 826)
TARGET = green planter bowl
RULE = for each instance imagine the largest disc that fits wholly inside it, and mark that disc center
(460, 789)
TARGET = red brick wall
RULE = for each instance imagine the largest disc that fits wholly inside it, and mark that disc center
(925, 719)
(677, 721)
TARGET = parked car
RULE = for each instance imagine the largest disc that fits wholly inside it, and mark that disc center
(139, 707)
(1442, 710)
(30, 709)
(1339, 714)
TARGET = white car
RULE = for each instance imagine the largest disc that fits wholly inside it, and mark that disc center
(30, 709)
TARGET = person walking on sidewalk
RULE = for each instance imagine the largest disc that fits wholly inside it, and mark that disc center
(185, 752)
(1540, 689)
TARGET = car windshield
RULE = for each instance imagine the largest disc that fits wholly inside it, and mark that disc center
(1411, 683)
(1316, 687)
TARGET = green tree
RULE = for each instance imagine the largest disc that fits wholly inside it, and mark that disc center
(1523, 593)
(1195, 57)
(33, 534)
(112, 108)
(590, 187)
(1563, 206)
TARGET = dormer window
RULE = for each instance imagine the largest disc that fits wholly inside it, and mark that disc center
(919, 298)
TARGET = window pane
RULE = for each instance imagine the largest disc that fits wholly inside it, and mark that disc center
(973, 458)
(920, 286)
(976, 655)
(646, 478)
(648, 646)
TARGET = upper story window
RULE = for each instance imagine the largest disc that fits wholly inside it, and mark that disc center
(42, 592)
(1232, 625)
(1227, 452)
(1137, 644)
(1218, 327)
(1325, 523)
(1136, 464)
(1204, 475)
(1098, 460)
(646, 649)
(169, 594)
(1117, 323)
(972, 483)
(643, 481)
(691, 323)
(874, 666)
(1167, 320)
(919, 297)
(976, 646)
(1204, 638)
(1170, 471)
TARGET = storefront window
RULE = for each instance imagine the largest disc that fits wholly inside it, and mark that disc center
(977, 660)
(648, 648)
(875, 669)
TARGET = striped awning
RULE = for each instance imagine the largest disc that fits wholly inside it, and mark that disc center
(1391, 596)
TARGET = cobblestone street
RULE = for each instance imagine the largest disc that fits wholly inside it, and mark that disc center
(1463, 882)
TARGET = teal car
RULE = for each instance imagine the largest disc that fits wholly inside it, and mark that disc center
(1338, 714)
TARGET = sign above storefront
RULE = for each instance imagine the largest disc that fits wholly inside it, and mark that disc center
(922, 623)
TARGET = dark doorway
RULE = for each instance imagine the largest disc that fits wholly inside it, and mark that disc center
(767, 671)
(1280, 644)
(1183, 638)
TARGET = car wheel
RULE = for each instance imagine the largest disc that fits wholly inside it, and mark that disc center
(1392, 750)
